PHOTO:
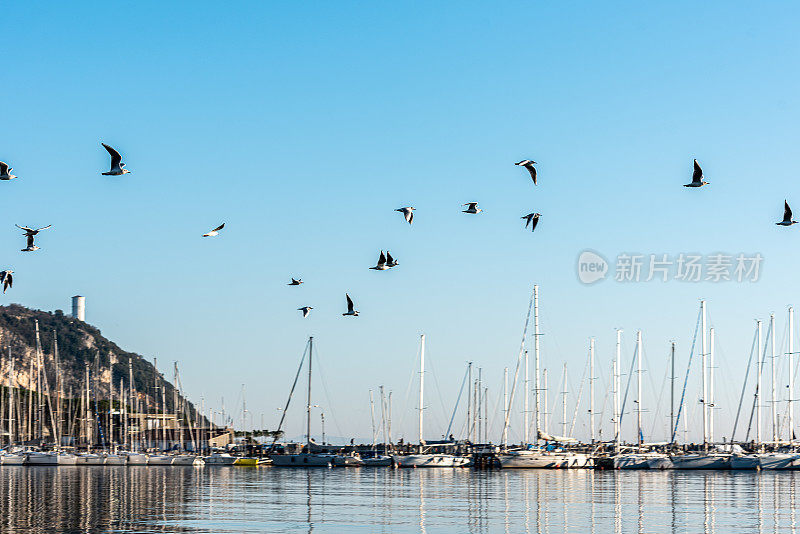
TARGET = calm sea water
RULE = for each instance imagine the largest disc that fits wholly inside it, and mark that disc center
(225, 499)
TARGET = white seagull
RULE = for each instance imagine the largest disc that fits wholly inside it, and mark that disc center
(472, 207)
(529, 164)
(787, 216)
(390, 261)
(350, 310)
(5, 171)
(295, 282)
(381, 263)
(29, 233)
(117, 167)
(215, 231)
(531, 219)
(697, 177)
(408, 213)
(6, 279)
(306, 310)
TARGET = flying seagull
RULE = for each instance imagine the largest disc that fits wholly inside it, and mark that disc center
(408, 213)
(5, 171)
(381, 263)
(215, 231)
(306, 310)
(117, 167)
(390, 261)
(29, 233)
(529, 164)
(531, 219)
(697, 177)
(295, 282)
(472, 207)
(350, 310)
(6, 279)
(787, 216)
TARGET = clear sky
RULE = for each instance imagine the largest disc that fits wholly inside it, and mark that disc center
(302, 126)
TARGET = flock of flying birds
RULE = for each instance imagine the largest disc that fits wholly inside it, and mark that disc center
(385, 260)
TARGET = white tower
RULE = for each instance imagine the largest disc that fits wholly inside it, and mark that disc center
(79, 307)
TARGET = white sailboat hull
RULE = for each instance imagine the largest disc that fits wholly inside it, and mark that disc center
(378, 461)
(430, 460)
(642, 461)
(187, 459)
(745, 462)
(12, 459)
(543, 460)
(90, 459)
(159, 459)
(134, 458)
(220, 459)
(778, 460)
(701, 461)
(115, 459)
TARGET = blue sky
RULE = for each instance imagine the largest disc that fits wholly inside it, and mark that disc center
(303, 126)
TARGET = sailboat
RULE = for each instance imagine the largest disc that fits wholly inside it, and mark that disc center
(536, 457)
(704, 459)
(640, 459)
(303, 459)
(422, 458)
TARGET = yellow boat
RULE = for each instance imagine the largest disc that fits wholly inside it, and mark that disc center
(246, 461)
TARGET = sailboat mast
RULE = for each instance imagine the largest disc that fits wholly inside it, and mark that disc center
(371, 416)
(422, 386)
(704, 365)
(758, 382)
(615, 382)
(505, 403)
(591, 388)
(564, 402)
(672, 388)
(546, 414)
(774, 379)
(10, 399)
(711, 399)
(791, 375)
(639, 388)
(525, 411)
(308, 398)
(469, 401)
(537, 405)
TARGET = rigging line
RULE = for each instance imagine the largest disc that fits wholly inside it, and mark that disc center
(414, 373)
(660, 397)
(757, 395)
(628, 386)
(686, 380)
(438, 389)
(516, 369)
(291, 392)
(458, 399)
(580, 396)
(321, 373)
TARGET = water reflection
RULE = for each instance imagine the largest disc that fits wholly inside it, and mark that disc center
(176, 499)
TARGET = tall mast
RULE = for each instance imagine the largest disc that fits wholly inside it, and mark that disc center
(40, 407)
(615, 385)
(564, 402)
(469, 401)
(505, 403)
(791, 375)
(758, 382)
(711, 399)
(371, 416)
(383, 419)
(525, 411)
(591, 388)
(672, 389)
(639, 388)
(704, 364)
(308, 398)
(128, 436)
(536, 362)
(774, 378)
(478, 404)
(10, 399)
(422, 385)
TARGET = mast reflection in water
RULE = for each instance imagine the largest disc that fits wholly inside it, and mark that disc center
(230, 499)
